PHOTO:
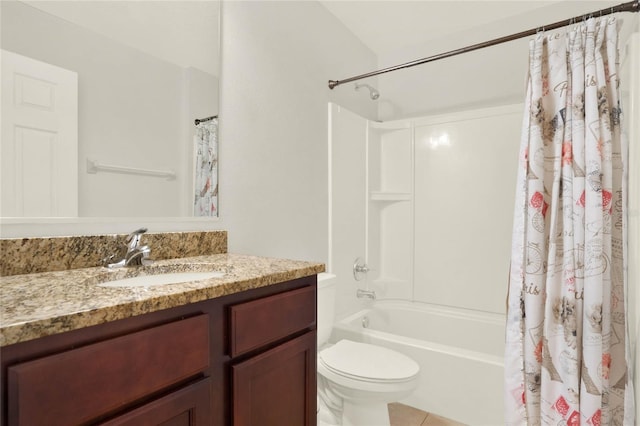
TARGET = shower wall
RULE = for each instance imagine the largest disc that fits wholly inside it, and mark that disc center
(427, 203)
(441, 196)
(464, 196)
(630, 89)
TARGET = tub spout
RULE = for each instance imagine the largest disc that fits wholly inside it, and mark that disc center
(366, 294)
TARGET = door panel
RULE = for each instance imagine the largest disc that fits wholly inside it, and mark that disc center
(268, 388)
(39, 146)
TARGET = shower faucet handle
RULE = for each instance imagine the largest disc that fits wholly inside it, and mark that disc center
(360, 269)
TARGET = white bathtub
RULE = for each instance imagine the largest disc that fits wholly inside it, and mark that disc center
(460, 355)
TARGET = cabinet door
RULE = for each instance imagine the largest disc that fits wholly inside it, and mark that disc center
(277, 387)
(189, 406)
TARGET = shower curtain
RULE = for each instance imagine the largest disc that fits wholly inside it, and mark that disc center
(567, 357)
(206, 169)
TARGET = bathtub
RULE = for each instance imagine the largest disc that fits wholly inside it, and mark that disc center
(460, 354)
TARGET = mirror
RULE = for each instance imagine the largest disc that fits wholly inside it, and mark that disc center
(99, 107)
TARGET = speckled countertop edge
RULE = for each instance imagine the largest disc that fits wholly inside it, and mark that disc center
(43, 304)
(46, 254)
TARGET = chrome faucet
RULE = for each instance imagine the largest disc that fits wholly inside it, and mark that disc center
(136, 255)
(366, 294)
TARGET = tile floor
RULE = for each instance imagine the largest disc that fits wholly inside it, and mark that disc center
(404, 415)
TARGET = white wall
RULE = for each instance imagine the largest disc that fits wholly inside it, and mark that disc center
(631, 106)
(277, 58)
(347, 230)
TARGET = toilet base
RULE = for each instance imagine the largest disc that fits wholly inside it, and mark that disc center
(375, 414)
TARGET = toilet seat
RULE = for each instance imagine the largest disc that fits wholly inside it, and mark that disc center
(368, 363)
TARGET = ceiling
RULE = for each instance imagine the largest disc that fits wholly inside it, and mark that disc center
(164, 28)
(387, 26)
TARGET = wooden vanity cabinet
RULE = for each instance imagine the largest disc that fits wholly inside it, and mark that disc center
(243, 359)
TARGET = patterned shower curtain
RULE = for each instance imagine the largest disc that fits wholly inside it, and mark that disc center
(206, 169)
(567, 357)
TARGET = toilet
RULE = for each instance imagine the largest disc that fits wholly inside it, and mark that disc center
(356, 380)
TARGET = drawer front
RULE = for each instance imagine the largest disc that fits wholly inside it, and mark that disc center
(79, 385)
(262, 321)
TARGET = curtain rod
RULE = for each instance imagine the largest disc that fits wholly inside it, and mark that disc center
(202, 120)
(632, 6)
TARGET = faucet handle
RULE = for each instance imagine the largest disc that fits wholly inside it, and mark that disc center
(133, 239)
(105, 261)
(360, 269)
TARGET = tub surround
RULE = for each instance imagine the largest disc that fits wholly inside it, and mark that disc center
(42, 304)
(34, 255)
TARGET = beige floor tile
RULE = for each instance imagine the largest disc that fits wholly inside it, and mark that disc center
(434, 420)
(404, 415)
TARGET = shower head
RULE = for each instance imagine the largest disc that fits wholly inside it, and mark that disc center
(373, 93)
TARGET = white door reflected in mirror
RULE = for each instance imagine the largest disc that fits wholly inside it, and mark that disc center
(39, 143)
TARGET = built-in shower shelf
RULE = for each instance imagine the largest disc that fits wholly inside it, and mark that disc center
(389, 125)
(390, 196)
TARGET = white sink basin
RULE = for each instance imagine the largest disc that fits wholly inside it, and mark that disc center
(162, 279)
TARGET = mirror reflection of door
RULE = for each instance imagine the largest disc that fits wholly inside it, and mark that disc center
(39, 141)
(145, 71)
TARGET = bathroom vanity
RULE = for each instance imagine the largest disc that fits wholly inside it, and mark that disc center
(234, 350)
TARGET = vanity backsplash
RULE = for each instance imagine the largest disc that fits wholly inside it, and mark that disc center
(47, 254)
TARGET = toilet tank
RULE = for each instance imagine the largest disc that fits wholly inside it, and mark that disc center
(326, 306)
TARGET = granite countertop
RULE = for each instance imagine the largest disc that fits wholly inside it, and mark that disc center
(47, 303)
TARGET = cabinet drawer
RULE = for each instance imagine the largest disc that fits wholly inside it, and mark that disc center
(82, 384)
(262, 321)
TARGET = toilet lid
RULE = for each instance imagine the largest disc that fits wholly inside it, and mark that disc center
(368, 361)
